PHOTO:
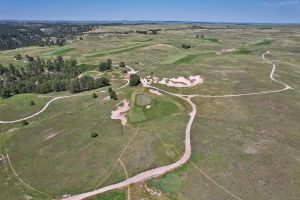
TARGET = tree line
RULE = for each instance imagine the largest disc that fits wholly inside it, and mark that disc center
(15, 35)
(44, 76)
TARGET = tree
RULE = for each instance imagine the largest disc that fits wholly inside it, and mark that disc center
(75, 86)
(105, 66)
(113, 95)
(122, 64)
(5, 92)
(134, 80)
(102, 82)
(95, 95)
(110, 90)
(32, 103)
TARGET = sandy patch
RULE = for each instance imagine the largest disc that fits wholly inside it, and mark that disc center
(12, 130)
(120, 112)
(179, 82)
(153, 192)
(227, 50)
(156, 92)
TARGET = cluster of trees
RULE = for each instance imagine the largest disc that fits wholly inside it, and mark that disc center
(186, 46)
(41, 76)
(14, 34)
(87, 83)
(134, 80)
(105, 66)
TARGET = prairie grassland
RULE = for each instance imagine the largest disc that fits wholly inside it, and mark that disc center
(249, 145)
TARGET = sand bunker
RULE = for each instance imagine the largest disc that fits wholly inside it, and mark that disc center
(155, 92)
(120, 112)
(179, 82)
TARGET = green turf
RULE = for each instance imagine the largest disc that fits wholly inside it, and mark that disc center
(117, 195)
(159, 108)
(264, 42)
(118, 50)
(215, 40)
(58, 52)
(88, 67)
(143, 100)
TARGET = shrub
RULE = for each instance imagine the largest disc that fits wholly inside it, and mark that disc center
(186, 46)
(32, 103)
(95, 95)
(94, 134)
(24, 122)
(122, 64)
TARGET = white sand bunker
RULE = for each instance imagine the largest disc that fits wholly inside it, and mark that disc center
(120, 112)
(155, 92)
(179, 82)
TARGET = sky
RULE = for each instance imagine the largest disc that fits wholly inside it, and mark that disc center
(260, 11)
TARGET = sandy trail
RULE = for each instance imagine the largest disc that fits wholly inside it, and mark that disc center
(286, 87)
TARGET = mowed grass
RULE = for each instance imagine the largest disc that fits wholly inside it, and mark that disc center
(215, 40)
(160, 107)
(118, 50)
(143, 100)
(58, 52)
(19, 106)
(88, 67)
(264, 42)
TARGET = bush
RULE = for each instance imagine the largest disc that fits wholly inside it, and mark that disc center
(95, 95)
(122, 64)
(32, 103)
(186, 46)
(94, 134)
(24, 123)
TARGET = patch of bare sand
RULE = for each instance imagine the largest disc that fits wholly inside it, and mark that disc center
(179, 82)
(156, 92)
(120, 112)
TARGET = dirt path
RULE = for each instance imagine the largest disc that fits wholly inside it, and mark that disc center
(16, 175)
(286, 87)
(143, 176)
